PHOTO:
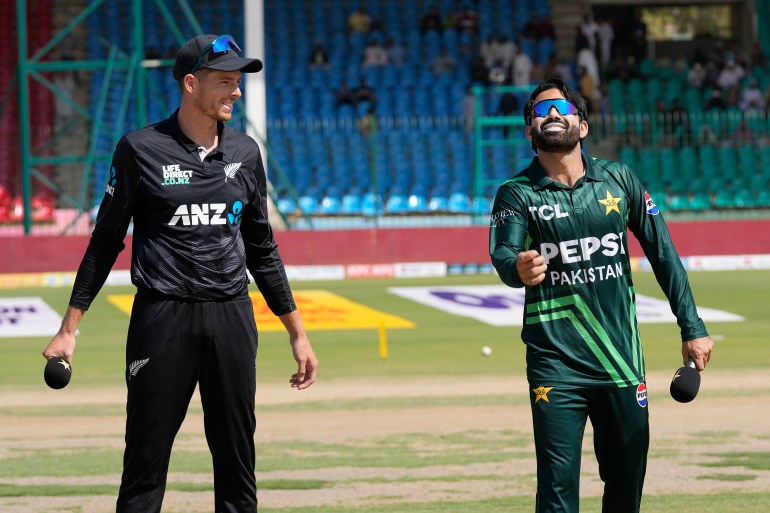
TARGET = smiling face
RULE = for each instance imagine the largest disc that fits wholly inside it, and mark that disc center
(554, 131)
(215, 92)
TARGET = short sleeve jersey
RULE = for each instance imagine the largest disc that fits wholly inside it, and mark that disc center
(580, 325)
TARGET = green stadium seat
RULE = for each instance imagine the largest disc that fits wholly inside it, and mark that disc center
(728, 161)
(763, 198)
(747, 161)
(700, 201)
(708, 162)
(744, 198)
(678, 201)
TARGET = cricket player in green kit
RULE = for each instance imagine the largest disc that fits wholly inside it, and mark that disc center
(559, 229)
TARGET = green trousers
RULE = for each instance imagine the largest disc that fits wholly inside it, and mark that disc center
(620, 420)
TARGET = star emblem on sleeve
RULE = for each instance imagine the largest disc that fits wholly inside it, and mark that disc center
(611, 203)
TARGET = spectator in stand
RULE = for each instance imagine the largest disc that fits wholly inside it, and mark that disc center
(367, 125)
(706, 135)
(587, 58)
(733, 97)
(743, 133)
(319, 58)
(345, 95)
(488, 50)
(364, 93)
(563, 70)
(605, 35)
(468, 112)
(716, 101)
(374, 55)
(639, 37)
(396, 53)
(431, 21)
(767, 99)
(544, 28)
(443, 62)
(581, 41)
(530, 28)
(359, 20)
(522, 69)
(479, 71)
(590, 30)
(505, 52)
(752, 98)
(730, 75)
(587, 88)
(696, 76)
(468, 22)
(757, 57)
(508, 106)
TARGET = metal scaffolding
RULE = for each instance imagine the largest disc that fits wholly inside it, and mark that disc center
(131, 60)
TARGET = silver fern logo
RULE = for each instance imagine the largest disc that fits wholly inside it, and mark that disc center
(231, 169)
(134, 367)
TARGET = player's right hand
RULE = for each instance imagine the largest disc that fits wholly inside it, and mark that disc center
(62, 344)
(531, 267)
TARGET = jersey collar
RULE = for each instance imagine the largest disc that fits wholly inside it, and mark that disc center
(192, 147)
(540, 180)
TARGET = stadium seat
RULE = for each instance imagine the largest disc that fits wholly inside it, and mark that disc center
(330, 205)
(459, 203)
(308, 204)
(351, 204)
(417, 203)
(371, 205)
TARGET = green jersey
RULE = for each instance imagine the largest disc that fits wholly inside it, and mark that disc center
(580, 323)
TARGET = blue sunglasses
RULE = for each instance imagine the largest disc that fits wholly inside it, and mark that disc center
(563, 107)
(221, 44)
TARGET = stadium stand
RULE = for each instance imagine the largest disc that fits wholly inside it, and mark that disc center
(414, 155)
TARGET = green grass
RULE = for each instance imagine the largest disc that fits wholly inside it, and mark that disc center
(441, 346)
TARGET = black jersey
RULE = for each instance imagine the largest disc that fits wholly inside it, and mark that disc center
(198, 224)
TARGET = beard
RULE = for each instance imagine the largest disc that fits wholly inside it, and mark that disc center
(556, 142)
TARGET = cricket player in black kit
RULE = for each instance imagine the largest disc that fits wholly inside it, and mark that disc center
(196, 191)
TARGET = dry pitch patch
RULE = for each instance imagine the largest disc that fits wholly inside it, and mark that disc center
(725, 418)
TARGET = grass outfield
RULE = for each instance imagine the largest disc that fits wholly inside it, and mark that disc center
(441, 347)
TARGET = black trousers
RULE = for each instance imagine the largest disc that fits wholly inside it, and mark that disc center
(173, 346)
(620, 419)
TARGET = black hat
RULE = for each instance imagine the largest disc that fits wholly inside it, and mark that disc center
(212, 52)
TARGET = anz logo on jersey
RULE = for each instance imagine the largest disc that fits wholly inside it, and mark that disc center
(207, 214)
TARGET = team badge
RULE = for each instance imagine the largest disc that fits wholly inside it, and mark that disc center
(541, 392)
(641, 395)
(650, 205)
(231, 169)
(611, 204)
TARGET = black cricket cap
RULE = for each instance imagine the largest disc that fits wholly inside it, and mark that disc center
(198, 53)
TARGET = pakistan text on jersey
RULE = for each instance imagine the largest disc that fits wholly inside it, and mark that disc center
(590, 275)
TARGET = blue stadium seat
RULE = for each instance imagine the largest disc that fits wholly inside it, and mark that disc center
(396, 204)
(371, 204)
(351, 204)
(459, 203)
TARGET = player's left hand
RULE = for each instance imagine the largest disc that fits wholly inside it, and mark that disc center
(699, 350)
